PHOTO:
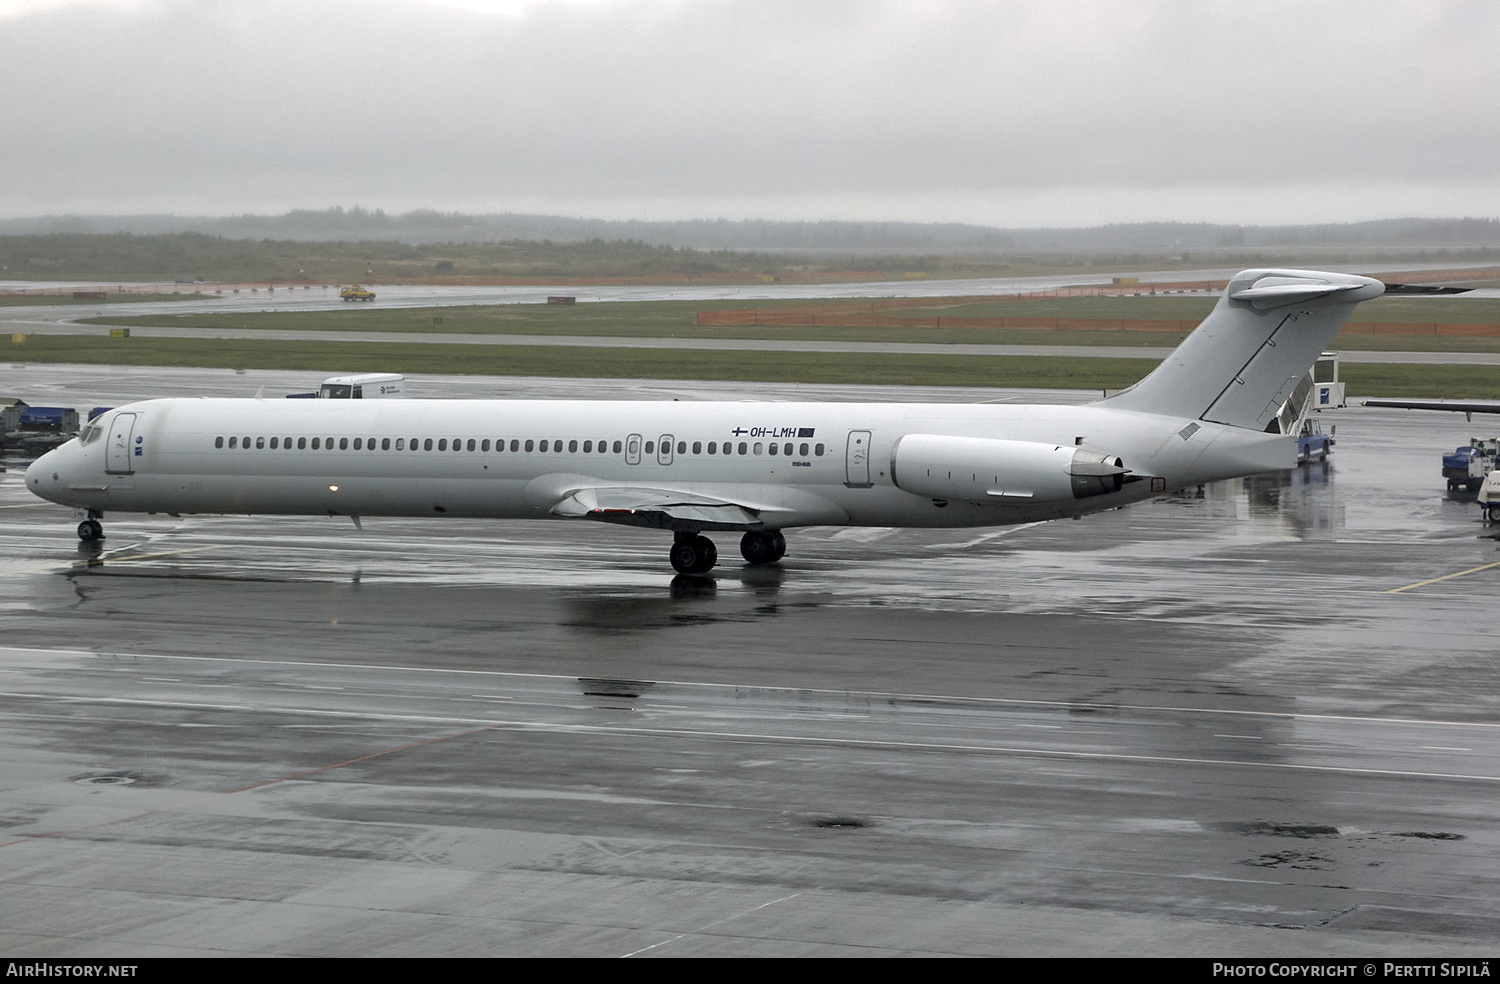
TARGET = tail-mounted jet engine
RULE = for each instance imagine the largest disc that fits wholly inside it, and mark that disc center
(980, 469)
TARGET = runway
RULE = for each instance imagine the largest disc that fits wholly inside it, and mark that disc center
(1257, 720)
(63, 319)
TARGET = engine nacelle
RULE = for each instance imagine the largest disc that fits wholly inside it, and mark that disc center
(980, 469)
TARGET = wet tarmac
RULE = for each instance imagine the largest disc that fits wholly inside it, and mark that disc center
(1259, 719)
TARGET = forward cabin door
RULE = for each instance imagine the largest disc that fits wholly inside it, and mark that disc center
(120, 449)
(857, 460)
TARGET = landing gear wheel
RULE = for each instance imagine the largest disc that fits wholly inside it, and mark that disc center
(694, 554)
(90, 530)
(763, 546)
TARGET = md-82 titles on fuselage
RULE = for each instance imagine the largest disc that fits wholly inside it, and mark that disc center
(1208, 412)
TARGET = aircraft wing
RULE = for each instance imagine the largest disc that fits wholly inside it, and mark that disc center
(620, 503)
(1459, 406)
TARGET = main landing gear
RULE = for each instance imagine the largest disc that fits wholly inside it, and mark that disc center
(91, 529)
(763, 546)
(694, 553)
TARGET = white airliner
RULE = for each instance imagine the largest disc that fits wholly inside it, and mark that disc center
(1208, 412)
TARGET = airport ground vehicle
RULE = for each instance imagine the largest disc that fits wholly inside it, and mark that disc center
(357, 293)
(1210, 411)
(1467, 466)
(1312, 443)
(1489, 497)
(365, 386)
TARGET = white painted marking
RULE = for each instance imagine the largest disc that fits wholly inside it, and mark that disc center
(716, 922)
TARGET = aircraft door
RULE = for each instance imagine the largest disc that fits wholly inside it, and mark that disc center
(857, 460)
(633, 449)
(119, 449)
(664, 450)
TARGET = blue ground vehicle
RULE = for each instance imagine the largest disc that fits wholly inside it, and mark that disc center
(1312, 443)
(1467, 466)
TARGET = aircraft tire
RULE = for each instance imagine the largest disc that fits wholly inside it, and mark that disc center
(90, 530)
(762, 546)
(694, 555)
(708, 554)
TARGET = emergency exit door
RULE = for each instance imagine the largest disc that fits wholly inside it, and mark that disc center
(857, 460)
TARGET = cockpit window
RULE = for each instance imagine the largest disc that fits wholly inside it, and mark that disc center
(90, 433)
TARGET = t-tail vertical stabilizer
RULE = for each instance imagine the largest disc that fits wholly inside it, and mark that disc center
(1239, 366)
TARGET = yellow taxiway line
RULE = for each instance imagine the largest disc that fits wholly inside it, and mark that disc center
(1445, 577)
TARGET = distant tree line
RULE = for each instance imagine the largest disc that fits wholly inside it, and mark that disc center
(427, 226)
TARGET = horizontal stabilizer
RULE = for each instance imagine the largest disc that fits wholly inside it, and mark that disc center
(1424, 289)
(1270, 292)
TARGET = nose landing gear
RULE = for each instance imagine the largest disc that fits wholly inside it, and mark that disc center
(91, 529)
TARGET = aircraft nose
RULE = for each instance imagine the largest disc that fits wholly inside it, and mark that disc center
(45, 476)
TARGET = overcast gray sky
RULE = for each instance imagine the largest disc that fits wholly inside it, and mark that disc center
(1003, 113)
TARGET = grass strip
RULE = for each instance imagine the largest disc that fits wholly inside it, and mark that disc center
(600, 363)
(1044, 372)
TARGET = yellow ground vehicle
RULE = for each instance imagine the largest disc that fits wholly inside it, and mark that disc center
(357, 293)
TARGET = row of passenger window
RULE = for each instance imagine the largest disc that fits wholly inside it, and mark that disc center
(402, 444)
(516, 445)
